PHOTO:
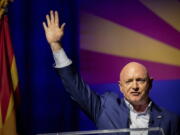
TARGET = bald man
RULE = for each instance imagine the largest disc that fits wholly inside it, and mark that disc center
(108, 111)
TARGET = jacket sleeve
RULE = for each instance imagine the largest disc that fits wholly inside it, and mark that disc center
(80, 92)
(176, 126)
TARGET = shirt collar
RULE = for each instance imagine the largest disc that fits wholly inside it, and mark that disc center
(131, 108)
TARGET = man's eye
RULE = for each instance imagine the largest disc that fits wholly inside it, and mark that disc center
(141, 80)
(127, 82)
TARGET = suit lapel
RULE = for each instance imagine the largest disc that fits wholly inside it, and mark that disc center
(124, 116)
(156, 117)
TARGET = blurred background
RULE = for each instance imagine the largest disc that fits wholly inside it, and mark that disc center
(100, 37)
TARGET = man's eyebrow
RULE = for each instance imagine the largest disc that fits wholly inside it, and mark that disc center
(142, 78)
(128, 80)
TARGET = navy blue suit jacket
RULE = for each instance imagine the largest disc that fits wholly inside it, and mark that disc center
(108, 111)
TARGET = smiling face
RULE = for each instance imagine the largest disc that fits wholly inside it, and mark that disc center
(135, 83)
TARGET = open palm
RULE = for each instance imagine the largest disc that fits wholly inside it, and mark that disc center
(53, 32)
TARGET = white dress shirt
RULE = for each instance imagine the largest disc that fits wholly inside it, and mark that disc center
(61, 59)
(139, 119)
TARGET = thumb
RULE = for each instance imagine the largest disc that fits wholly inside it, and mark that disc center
(62, 26)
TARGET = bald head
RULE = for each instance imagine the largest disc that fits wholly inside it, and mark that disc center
(133, 67)
(135, 83)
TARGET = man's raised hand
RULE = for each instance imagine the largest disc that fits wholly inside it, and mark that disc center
(53, 31)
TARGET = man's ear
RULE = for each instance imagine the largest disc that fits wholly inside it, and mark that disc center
(120, 86)
(150, 82)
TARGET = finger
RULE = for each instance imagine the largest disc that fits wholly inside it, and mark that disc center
(48, 20)
(62, 26)
(45, 26)
(52, 16)
(56, 18)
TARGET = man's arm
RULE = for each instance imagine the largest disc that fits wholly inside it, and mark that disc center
(79, 91)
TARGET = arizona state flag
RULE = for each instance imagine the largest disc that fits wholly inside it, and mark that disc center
(8, 81)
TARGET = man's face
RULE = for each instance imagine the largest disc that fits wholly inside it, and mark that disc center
(135, 84)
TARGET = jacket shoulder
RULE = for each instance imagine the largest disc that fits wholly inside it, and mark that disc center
(111, 100)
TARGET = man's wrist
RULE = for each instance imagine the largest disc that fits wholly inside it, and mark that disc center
(55, 46)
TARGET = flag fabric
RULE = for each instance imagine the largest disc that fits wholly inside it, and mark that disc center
(8, 81)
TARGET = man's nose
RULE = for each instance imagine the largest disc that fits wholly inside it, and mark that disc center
(135, 86)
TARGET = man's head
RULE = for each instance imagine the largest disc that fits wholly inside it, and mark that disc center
(135, 83)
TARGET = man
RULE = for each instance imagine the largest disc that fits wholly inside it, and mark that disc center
(108, 111)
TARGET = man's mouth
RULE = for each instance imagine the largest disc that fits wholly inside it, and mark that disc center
(135, 93)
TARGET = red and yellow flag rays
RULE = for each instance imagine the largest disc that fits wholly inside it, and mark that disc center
(8, 81)
(148, 33)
